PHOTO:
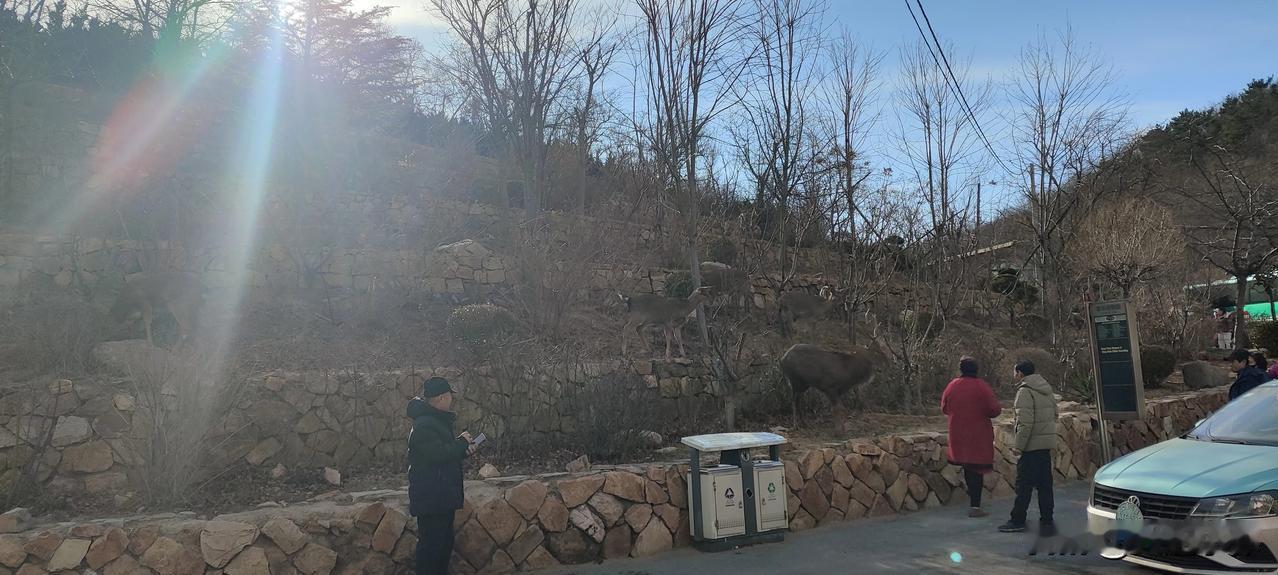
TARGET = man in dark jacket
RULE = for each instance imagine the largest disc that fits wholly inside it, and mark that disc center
(435, 486)
(1248, 376)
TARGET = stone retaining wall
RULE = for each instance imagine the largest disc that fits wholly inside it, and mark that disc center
(526, 523)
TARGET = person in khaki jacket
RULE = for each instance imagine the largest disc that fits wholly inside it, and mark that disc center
(1035, 408)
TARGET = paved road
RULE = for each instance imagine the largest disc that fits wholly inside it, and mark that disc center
(924, 542)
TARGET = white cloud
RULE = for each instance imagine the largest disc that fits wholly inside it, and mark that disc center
(405, 13)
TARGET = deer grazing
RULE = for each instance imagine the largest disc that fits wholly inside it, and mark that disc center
(831, 372)
(797, 305)
(667, 312)
(178, 292)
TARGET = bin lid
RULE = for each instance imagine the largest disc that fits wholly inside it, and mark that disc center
(728, 441)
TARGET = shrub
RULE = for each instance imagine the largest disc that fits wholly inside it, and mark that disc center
(1264, 334)
(52, 336)
(679, 284)
(481, 327)
(722, 250)
(1080, 387)
(1156, 364)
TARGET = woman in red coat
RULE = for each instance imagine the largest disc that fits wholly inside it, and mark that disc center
(970, 404)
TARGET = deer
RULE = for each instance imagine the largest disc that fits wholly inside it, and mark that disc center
(799, 305)
(652, 309)
(180, 293)
(831, 372)
(732, 283)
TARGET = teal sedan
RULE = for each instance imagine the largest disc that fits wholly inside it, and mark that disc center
(1203, 503)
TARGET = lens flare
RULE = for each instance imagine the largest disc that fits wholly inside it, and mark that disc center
(956, 557)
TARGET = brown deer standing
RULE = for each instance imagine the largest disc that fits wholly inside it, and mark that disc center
(180, 293)
(652, 309)
(831, 372)
(798, 305)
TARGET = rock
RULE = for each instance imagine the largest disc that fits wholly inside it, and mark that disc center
(286, 534)
(1202, 375)
(106, 482)
(315, 559)
(860, 465)
(11, 552)
(540, 558)
(577, 490)
(825, 479)
(123, 402)
(90, 457)
(125, 358)
(15, 520)
(553, 515)
(842, 474)
(897, 492)
(609, 508)
(474, 544)
(220, 541)
(571, 547)
(252, 561)
(802, 521)
(125, 565)
(500, 563)
(168, 557)
(669, 515)
(589, 523)
(654, 539)
(372, 514)
(625, 485)
(616, 545)
(840, 498)
(389, 530)
(810, 463)
(69, 555)
(650, 439)
(500, 519)
(142, 539)
(863, 494)
(332, 476)
(71, 430)
(406, 549)
(814, 501)
(578, 465)
(107, 548)
(31, 569)
(527, 498)
(489, 471)
(654, 494)
(525, 543)
(889, 469)
(678, 488)
(279, 472)
(43, 545)
(918, 487)
(264, 450)
(638, 515)
(111, 425)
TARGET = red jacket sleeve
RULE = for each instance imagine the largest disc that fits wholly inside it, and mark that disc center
(993, 409)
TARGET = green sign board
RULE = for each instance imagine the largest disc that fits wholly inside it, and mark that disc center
(1116, 361)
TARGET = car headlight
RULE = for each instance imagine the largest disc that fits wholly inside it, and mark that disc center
(1238, 506)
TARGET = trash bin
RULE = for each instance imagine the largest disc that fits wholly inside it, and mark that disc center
(725, 508)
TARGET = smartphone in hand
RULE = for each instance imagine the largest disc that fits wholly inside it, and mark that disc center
(479, 439)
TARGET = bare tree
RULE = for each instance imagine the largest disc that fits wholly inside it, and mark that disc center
(1231, 220)
(167, 21)
(1068, 120)
(849, 93)
(597, 52)
(774, 138)
(516, 59)
(1127, 243)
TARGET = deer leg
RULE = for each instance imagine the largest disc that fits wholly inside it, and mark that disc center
(840, 417)
(794, 407)
(669, 333)
(624, 330)
(678, 334)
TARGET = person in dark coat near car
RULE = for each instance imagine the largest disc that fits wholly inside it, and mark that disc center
(1248, 376)
(435, 488)
(970, 405)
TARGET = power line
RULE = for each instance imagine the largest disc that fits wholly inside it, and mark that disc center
(947, 73)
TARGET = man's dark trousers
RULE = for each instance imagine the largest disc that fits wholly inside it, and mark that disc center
(1034, 472)
(434, 543)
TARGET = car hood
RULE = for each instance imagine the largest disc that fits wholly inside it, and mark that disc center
(1191, 468)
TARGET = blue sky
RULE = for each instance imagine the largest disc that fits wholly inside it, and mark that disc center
(1169, 54)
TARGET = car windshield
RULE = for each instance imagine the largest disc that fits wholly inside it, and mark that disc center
(1252, 418)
